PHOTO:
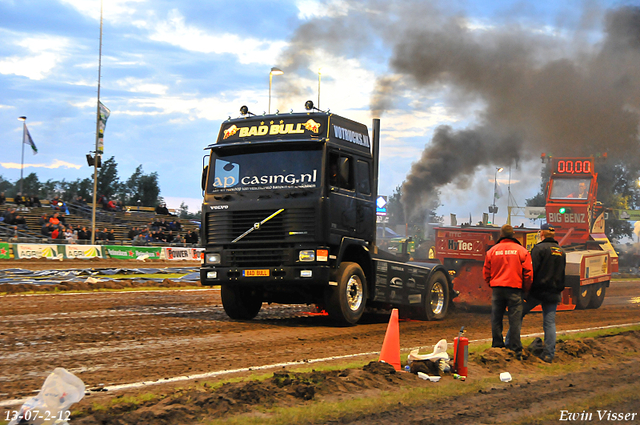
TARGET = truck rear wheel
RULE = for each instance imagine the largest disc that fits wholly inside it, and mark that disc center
(240, 303)
(346, 302)
(597, 294)
(436, 299)
(583, 297)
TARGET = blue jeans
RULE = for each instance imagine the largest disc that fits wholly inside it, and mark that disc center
(548, 323)
(501, 299)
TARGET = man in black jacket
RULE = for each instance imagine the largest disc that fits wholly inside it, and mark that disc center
(549, 262)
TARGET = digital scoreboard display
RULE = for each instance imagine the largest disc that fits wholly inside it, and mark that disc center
(573, 166)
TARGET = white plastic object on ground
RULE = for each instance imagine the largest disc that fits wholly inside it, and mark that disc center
(439, 352)
(505, 377)
(60, 390)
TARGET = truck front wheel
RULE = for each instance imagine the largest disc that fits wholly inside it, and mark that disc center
(346, 302)
(240, 303)
(436, 299)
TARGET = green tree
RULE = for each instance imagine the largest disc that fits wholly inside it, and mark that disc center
(108, 181)
(183, 212)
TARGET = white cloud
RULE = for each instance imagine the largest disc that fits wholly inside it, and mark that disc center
(114, 11)
(137, 85)
(313, 9)
(41, 55)
(176, 32)
(55, 164)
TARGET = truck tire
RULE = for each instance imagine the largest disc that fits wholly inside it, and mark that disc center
(583, 297)
(598, 292)
(436, 299)
(345, 302)
(240, 303)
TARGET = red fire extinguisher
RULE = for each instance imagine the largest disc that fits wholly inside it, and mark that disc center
(460, 354)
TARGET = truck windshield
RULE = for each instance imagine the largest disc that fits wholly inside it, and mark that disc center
(570, 188)
(299, 169)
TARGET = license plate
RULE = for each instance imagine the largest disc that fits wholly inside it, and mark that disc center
(255, 273)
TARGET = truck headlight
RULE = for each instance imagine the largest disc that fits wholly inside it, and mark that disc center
(212, 258)
(307, 255)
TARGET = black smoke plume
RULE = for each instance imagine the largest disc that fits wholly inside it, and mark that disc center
(571, 92)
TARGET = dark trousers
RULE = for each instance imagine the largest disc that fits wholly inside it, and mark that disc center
(503, 298)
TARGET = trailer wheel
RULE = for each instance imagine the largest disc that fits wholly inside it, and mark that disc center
(436, 300)
(583, 297)
(240, 303)
(597, 295)
(346, 302)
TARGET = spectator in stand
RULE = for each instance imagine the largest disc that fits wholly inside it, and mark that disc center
(69, 236)
(19, 200)
(9, 216)
(192, 237)
(83, 234)
(3, 198)
(102, 235)
(27, 201)
(21, 222)
(46, 230)
(35, 201)
(42, 220)
(111, 235)
(55, 202)
(111, 206)
(162, 209)
(133, 232)
(55, 220)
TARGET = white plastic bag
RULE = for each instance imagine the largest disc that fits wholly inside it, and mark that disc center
(60, 390)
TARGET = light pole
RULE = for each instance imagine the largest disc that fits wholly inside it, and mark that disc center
(495, 189)
(274, 71)
(24, 135)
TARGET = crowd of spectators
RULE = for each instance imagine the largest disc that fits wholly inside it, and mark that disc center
(161, 230)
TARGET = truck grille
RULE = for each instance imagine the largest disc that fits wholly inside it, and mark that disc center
(259, 257)
(291, 225)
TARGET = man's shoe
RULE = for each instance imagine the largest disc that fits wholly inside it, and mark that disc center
(519, 357)
(547, 359)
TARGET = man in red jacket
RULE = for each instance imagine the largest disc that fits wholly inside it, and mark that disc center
(508, 271)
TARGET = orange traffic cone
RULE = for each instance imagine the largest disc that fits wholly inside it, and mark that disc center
(390, 352)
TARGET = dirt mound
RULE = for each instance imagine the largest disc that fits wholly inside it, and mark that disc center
(9, 288)
(288, 388)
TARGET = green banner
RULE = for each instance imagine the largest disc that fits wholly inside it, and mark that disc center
(4, 251)
(123, 252)
(631, 215)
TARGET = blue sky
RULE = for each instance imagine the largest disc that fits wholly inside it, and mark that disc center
(172, 71)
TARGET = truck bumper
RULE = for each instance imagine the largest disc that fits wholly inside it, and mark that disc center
(265, 276)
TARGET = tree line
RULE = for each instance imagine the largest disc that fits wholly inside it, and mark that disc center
(140, 186)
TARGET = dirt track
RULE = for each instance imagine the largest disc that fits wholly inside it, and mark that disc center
(118, 338)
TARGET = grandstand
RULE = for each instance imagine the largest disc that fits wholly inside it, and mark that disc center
(80, 216)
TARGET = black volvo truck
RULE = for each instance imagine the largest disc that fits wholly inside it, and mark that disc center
(289, 216)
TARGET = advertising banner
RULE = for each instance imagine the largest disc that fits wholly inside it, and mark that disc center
(183, 253)
(122, 252)
(4, 251)
(82, 251)
(23, 250)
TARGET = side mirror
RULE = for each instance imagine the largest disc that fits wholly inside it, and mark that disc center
(205, 172)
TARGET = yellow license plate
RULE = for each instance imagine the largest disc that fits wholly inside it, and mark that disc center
(255, 273)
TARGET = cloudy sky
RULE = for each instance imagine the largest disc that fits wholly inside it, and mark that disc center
(455, 83)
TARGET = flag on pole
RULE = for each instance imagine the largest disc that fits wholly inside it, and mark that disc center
(102, 123)
(27, 140)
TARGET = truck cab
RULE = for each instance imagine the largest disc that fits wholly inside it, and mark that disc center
(289, 217)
